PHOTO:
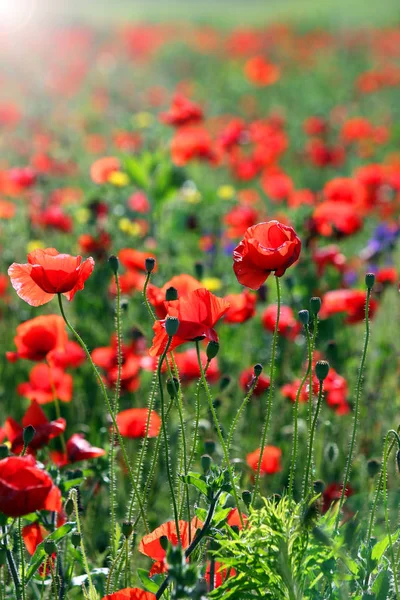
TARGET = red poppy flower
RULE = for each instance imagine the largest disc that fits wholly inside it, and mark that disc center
(266, 248)
(48, 273)
(78, 448)
(98, 245)
(242, 307)
(102, 168)
(350, 302)
(278, 186)
(182, 283)
(289, 327)
(192, 142)
(261, 72)
(387, 275)
(135, 260)
(341, 217)
(45, 430)
(139, 202)
(150, 544)
(37, 337)
(238, 219)
(182, 112)
(188, 366)
(247, 378)
(24, 488)
(233, 519)
(289, 390)
(329, 255)
(271, 460)
(332, 493)
(42, 379)
(197, 313)
(106, 357)
(130, 594)
(33, 535)
(72, 355)
(132, 423)
(220, 574)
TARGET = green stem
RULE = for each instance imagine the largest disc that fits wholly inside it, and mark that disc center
(385, 502)
(312, 436)
(311, 349)
(197, 419)
(219, 433)
(13, 571)
(270, 393)
(356, 411)
(112, 568)
(74, 497)
(146, 301)
(166, 445)
(239, 412)
(110, 412)
(22, 558)
(113, 484)
(295, 415)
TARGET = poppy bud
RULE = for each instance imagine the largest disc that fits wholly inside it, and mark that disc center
(171, 294)
(127, 529)
(114, 263)
(315, 305)
(49, 547)
(209, 446)
(171, 326)
(373, 466)
(322, 370)
(212, 350)
(76, 539)
(370, 280)
(304, 317)
(246, 497)
(172, 387)
(124, 304)
(149, 264)
(206, 461)
(3, 451)
(331, 452)
(257, 370)
(224, 382)
(69, 507)
(319, 486)
(28, 435)
(199, 270)
(164, 542)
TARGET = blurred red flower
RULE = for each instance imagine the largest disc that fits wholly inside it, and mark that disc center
(271, 460)
(350, 302)
(48, 273)
(130, 594)
(182, 112)
(188, 366)
(266, 248)
(134, 260)
(182, 283)
(78, 448)
(25, 488)
(242, 307)
(150, 544)
(261, 72)
(39, 336)
(102, 168)
(289, 327)
(336, 217)
(246, 379)
(132, 423)
(45, 382)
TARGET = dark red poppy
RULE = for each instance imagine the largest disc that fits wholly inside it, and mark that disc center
(132, 423)
(246, 379)
(197, 312)
(350, 302)
(48, 273)
(182, 283)
(78, 448)
(332, 493)
(233, 519)
(38, 337)
(130, 594)
(270, 463)
(42, 380)
(266, 248)
(329, 256)
(192, 142)
(45, 430)
(24, 488)
(288, 327)
(106, 357)
(242, 307)
(182, 112)
(97, 245)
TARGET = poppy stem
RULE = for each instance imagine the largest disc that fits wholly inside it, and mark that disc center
(117, 392)
(296, 414)
(310, 382)
(110, 412)
(219, 433)
(13, 569)
(22, 557)
(74, 497)
(312, 436)
(356, 410)
(166, 445)
(57, 406)
(197, 418)
(241, 409)
(270, 392)
(385, 502)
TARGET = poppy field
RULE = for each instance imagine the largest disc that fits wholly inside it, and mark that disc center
(199, 311)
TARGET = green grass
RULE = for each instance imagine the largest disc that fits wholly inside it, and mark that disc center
(328, 13)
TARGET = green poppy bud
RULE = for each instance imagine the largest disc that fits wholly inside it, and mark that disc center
(212, 350)
(171, 294)
(322, 370)
(315, 305)
(114, 263)
(246, 497)
(257, 370)
(370, 280)
(149, 264)
(373, 467)
(75, 539)
(171, 325)
(172, 387)
(206, 461)
(28, 435)
(50, 547)
(304, 317)
(127, 529)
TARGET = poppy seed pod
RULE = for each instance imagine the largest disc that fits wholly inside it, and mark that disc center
(28, 434)
(209, 446)
(212, 349)
(164, 542)
(373, 467)
(127, 529)
(149, 264)
(319, 486)
(69, 507)
(50, 547)
(369, 280)
(206, 461)
(171, 294)
(76, 539)
(114, 263)
(315, 305)
(304, 317)
(171, 326)
(322, 370)
(173, 387)
(257, 370)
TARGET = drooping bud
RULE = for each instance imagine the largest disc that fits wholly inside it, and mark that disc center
(319, 486)
(331, 452)
(304, 317)
(315, 305)
(206, 461)
(75, 539)
(172, 387)
(171, 294)
(127, 529)
(114, 263)
(28, 435)
(322, 370)
(373, 467)
(246, 497)
(257, 370)
(171, 325)
(212, 350)
(370, 280)
(149, 264)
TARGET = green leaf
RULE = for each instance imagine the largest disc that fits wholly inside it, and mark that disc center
(40, 554)
(151, 585)
(381, 586)
(194, 479)
(379, 549)
(138, 172)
